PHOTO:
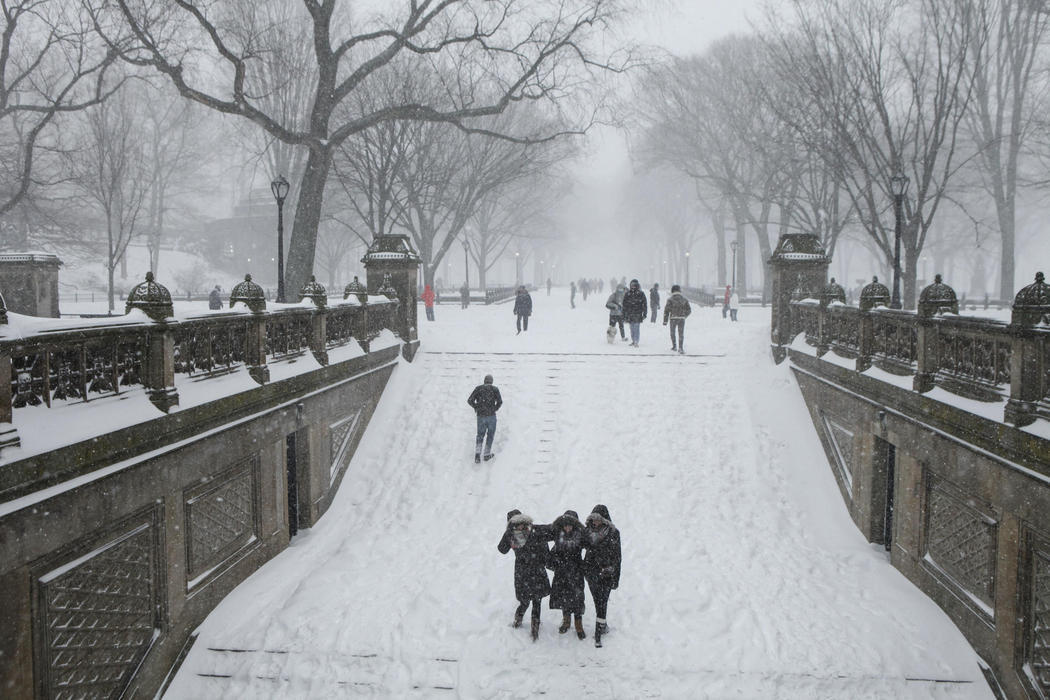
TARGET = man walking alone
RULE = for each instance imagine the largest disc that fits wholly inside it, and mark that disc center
(635, 309)
(676, 311)
(485, 400)
(654, 300)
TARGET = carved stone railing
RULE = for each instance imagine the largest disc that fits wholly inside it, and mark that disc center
(52, 363)
(982, 359)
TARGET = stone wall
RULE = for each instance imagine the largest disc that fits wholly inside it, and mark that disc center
(106, 574)
(969, 515)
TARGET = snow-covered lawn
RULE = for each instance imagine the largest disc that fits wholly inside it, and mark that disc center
(743, 575)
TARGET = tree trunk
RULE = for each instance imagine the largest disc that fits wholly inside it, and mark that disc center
(1006, 260)
(303, 245)
(110, 262)
(718, 221)
(909, 276)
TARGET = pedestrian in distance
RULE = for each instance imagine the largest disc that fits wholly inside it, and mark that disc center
(522, 308)
(654, 299)
(464, 296)
(601, 565)
(585, 288)
(601, 286)
(615, 306)
(215, 299)
(531, 585)
(734, 305)
(428, 301)
(635, 310)
(572, 295)
(485, 400)
(676, 311)
(548, 286)
(566, 561)
(725, 302)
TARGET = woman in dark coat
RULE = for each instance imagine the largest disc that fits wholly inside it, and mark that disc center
(523, 308)
(601, 566)
(529, 543)
(566, 559)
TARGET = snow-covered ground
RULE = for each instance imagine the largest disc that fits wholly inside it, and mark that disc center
(743, 576)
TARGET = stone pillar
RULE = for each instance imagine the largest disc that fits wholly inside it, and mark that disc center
(1031, 306)
(393, 255)
(30, 283)
(866, 341)
(251, 295)
(799, 264)
(158, 362)
(934, 299)
(318, 320)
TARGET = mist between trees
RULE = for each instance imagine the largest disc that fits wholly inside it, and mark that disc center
(800, 125)
(448, 120)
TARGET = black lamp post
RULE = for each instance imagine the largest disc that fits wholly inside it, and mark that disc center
(517, 268)
(687, 269)
(279, 187)
(899, 186)
(733, 245)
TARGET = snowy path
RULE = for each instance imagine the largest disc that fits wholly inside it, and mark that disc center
(743, 576)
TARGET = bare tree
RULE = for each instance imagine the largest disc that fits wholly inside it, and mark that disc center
(500, 52)
(111, 171)
(51, 63)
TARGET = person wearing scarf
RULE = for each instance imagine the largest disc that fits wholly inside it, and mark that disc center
(601, 565)
(531, 585)
(566, 560)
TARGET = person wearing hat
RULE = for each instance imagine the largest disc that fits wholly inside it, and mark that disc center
(566, 560)
(522, 308)
(601, 565)
(529, 543)
(676, 310)
(485, 400)
(635, 310)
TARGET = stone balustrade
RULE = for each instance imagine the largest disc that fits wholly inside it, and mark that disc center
(976, 358)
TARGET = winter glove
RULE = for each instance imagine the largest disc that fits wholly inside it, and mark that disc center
(665, 323)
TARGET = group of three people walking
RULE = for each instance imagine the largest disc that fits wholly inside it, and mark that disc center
(631, 306)
(599, 567)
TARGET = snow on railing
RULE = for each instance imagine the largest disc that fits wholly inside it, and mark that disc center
(977, 358)
(44, 362)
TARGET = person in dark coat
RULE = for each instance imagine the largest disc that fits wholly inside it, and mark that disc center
(654, 300)
(523, 308)
(485, 400)
(676, 311)
(215, 299)
(615, 306)
(566, 560)
(572, 295)
(529, 543)
(635, 309)
(601, 565)
(464, 296)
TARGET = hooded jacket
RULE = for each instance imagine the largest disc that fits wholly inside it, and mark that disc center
(677, 306)
(615, 302)
(601, 565)
(566, 560)
(635, 307)
(523, 304)
(530, 557)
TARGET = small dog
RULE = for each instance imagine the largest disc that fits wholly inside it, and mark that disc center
(610, 334)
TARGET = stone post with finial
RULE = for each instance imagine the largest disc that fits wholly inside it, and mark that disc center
(252, 295)
(392, 255)
(799, 265)
(158, 360)
(935, 299)
(315, 292)
(1031, 308)
(8, 433)
(872, 295)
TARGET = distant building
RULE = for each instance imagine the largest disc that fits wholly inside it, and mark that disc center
(247, 241)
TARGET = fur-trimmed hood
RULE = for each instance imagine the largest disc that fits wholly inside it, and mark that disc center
(601, 513)
(569, 517)
(519, 519)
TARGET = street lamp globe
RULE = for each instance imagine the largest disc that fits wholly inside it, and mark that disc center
(899, 184)
(279, 187)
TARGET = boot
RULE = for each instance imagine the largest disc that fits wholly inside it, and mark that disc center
(597, 634)
(517, 618)
(579, 627)
(565, 623)
(535, 629)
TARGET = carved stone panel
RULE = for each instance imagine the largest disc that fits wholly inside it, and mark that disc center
(221, 518)
(341, 435)
(841, 439)
(1037, 648)
(960, 541)
(98, 616)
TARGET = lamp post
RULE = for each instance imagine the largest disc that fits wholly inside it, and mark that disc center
(517, 268)
(687, 269)
(466, 262)
(733, 245)
(279, 187)
(898, 185)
